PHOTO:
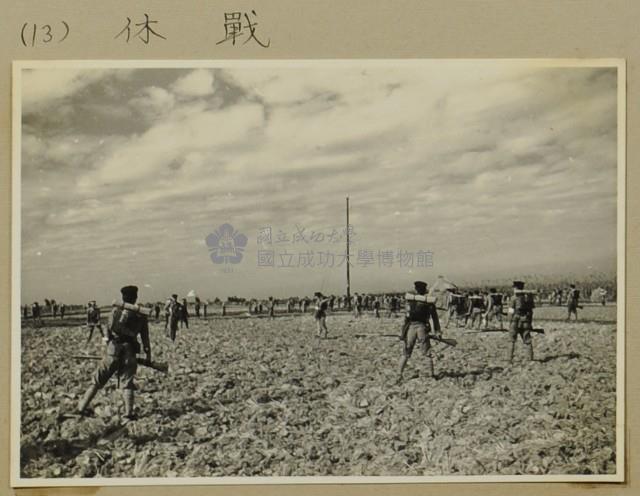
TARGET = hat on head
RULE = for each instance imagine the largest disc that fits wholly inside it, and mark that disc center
(572, 285)
(129, 292)
(420, 285)
(318, 294)
(518, 284)
(174, 296)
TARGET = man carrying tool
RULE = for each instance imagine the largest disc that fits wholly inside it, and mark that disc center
(124, 327)
(521, 311)
(420, 309)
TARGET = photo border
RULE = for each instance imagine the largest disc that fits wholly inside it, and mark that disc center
(15, 398)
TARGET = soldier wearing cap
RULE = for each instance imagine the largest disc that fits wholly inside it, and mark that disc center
(93, 320)
(320, 314)
(416, 327)
(123, 328)
(521, 311)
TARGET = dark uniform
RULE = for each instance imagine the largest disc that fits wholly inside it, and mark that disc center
(416, 326)
(320, 315)
(35, 313)
(124, 327)
(272, 308)
(573, 298)
(172, 316)
(521, 311)
(184, 313)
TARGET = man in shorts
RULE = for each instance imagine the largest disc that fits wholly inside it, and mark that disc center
(420, 309)
(521, 311)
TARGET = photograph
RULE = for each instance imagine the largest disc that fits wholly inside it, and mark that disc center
(317, 271)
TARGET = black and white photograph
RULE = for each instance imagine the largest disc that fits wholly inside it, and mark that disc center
(317, 271)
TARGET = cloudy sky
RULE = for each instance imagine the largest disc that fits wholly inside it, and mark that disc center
(495, 169)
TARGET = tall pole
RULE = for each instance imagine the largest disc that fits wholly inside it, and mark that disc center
(348, 253)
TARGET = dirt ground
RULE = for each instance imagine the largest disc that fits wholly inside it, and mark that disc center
(264, 397)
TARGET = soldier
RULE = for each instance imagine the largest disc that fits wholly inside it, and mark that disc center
(376, 308)
(305, 304)
(320, 314)
(25, 312)
(35, 313)
(93, 320)
(271, 305)
(476, 310)
(156, 309)
(184, 313)
(124, 327)
(54, 307)
(451, 302)
(392, 303)
(172, 316)
(357, 305)
(521, 311)
(573, 299)
(63, 309)
(204, 309)
(420, 309)
(197, 307)
(494, 308)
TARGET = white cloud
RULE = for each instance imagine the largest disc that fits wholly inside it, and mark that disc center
(154, 102)
(196, 83)
(473, 161)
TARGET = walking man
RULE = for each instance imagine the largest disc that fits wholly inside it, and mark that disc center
(124, 327)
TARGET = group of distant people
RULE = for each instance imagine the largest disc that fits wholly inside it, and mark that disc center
(54, 309)
(477, 309)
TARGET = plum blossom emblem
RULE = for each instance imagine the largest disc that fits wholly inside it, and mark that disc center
(226, 245)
